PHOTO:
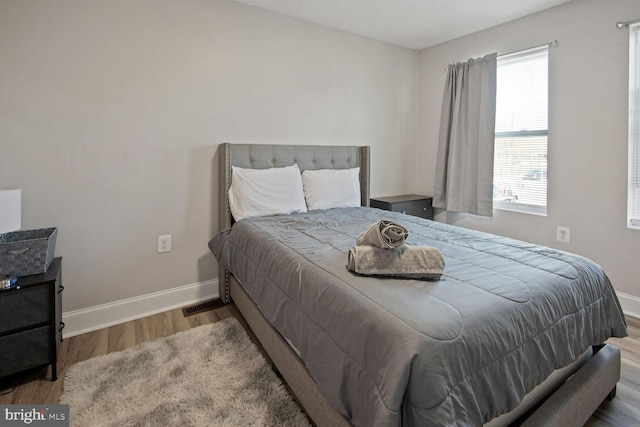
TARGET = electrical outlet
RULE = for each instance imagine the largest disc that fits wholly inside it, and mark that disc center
(164, 243)
(563, 234)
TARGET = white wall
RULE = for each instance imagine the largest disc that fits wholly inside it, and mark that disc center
(588, 80)
(111, 113)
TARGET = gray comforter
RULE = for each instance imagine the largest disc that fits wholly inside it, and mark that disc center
(389, 352)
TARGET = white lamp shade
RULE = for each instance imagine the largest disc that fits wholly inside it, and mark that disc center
(10, 210)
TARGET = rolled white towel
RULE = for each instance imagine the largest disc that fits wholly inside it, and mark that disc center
(383, 234)
(407, 261)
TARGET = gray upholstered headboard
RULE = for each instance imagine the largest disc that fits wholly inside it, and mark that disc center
(261, 156)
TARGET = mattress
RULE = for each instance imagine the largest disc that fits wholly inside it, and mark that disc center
(458, 351)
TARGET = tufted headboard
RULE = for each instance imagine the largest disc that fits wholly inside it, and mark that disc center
(261, 156)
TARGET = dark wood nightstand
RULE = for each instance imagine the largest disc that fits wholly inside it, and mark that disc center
(410, 204)
(31, 322)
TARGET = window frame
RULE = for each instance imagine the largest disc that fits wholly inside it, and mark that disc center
(519, 206)
(633, 189)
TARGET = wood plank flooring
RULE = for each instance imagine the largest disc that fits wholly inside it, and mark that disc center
(35, 386)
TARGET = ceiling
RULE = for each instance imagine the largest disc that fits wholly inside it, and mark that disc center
(416, 24)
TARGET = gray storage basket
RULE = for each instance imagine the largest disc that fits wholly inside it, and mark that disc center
(27, 252)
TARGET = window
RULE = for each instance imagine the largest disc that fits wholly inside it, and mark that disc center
(633, 205)
(520, 157)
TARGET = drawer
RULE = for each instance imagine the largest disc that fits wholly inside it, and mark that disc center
(24, 307)
(421, 208)
(24, 350)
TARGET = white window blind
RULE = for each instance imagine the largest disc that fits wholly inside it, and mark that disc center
(633, 205)
(520, 157)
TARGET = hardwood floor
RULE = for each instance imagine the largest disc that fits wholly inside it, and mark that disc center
(35, 387)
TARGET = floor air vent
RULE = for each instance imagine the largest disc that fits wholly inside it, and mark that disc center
(201, 307)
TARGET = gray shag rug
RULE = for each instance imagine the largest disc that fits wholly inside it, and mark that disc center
(212, 375)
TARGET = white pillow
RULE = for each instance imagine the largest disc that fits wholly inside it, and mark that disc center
(331, 188)
(259, 192)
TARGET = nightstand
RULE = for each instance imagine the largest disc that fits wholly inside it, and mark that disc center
(31, 322)
(410, 204)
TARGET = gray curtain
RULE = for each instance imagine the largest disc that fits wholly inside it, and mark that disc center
(464, 168)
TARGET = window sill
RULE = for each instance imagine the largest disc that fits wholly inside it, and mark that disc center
(520, 207)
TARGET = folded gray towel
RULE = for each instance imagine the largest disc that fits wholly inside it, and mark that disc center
(383, 234)
(407, 261)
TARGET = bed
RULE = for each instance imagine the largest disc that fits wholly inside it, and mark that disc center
(512, 333)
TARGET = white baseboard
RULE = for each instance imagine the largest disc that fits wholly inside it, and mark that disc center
(630, 304)
(101, 316)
